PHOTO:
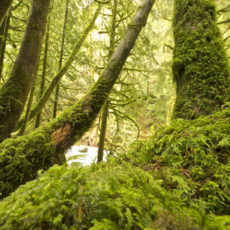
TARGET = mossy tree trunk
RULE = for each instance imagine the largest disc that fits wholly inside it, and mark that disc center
(200, 64)
(5, 6)
(14, 92)
(23, 156)
(46, 95)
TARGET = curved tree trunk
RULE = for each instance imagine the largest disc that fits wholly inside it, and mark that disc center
(200, 64)
(13, 94)
(45, 97)
(23, 156)
(5, 6)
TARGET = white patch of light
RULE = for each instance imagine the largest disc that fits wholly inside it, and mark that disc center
(86, 155)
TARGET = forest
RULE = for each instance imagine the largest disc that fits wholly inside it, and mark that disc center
(147, 82)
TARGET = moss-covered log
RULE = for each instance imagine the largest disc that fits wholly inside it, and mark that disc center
(177, 180)
(20, 158)
(14, 92)
(46, 95)
(5, 6)
(200, 64)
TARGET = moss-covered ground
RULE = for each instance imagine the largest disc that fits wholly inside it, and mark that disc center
(179, 179)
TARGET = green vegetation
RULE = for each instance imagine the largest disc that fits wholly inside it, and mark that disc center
(200, 64)
(177, 180)
(38, 149)
(118, 74)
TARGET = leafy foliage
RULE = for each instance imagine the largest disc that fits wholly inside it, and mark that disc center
(177, 180)
(192, 157)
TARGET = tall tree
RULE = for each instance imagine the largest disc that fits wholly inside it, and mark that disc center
(200, 64)
(23, 156)
(105, 110)
(61, 58)
(44, 70)
(3, 37)
(14, 92)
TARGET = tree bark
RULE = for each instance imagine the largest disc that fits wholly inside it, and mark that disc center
(60, 60)
(43, 76)
(105, 109)
(101, 144)
(4, 33)
(5, 6)
(23, 156)
(45, 97)
(30, 101)
(200, 64)
(13, 93)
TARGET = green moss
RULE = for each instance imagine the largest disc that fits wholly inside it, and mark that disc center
(21, 158)
(100, 197)
(200, 64)
(179, 179)
(192, 157)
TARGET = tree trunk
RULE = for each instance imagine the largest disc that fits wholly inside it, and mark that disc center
(13, 94)
(200, 64)
(23, 156)
(60, 60)
(5, 6)
(101, 144)
(105, 110)
(45, 97)
(30, 101)
(4, 33)
(43, 76)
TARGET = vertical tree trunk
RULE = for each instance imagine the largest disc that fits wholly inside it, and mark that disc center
(43, 76)
(46, 145)
(4, 33)
(28, 108)
(4, 7)
(104, 117)
(14, 92)
(200, 64)
(105, 110)
(60, 59)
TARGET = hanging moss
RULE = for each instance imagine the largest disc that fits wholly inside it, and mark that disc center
(200, 64)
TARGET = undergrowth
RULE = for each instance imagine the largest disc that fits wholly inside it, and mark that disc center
(177, 180)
